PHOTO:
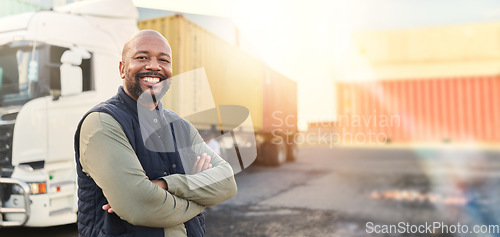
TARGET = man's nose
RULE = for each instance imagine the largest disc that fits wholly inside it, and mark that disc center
(153, 64)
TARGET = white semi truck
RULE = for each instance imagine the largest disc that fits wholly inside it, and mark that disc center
(54, 66)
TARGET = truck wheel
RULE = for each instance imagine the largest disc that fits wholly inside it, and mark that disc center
(292, 152)
(275, 153)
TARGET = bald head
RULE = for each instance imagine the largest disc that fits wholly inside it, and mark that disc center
(139, 35)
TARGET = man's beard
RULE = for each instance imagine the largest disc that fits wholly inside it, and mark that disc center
(135, 87)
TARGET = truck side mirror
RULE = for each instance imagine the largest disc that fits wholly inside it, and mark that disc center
(71, 73)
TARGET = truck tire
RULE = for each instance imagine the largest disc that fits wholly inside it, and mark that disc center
(292, 152)
(275, 154)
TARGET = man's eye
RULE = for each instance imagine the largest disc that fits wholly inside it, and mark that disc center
(140, 57)
(165, 60)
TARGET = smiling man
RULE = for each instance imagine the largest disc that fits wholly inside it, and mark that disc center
(146, 61)
(132, 156)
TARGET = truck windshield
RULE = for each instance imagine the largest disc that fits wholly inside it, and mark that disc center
(19, 75)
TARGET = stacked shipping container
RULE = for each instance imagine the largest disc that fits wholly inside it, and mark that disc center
(427, 85)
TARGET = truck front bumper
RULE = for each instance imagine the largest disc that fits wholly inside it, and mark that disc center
(22, 214)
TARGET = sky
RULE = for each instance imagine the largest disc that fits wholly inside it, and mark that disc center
(304, 39)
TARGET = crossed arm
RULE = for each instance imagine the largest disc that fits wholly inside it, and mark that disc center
(107, 157)
(201, 163)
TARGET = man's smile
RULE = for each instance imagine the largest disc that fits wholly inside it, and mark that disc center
(150, 77)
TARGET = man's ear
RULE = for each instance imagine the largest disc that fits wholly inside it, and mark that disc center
(122, 70)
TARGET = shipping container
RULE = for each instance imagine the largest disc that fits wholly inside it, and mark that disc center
(441, 110)
(210, 72)
(426, 85)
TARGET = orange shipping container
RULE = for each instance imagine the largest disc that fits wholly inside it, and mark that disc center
(421, 110)
(424, 85)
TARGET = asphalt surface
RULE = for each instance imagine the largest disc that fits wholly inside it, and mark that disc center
(338, 192)
(350, 191)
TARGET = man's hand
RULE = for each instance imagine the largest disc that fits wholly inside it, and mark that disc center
(108, 208)
(200, 164)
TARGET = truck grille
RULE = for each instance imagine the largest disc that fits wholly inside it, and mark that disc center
(6, 131)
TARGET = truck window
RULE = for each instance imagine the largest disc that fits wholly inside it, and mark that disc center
(16, 82)
(22, 80)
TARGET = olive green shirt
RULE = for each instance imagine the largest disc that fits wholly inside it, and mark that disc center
(107, 156)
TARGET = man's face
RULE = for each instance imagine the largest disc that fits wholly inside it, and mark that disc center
(146, 66)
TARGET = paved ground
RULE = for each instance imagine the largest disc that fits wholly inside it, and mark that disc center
(336, 192)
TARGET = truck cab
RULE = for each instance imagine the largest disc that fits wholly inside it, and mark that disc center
(54, 66)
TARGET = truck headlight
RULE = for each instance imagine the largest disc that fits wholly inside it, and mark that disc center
(38, 188)
(35, 188)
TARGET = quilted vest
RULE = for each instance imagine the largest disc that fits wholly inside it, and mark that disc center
(157, 157)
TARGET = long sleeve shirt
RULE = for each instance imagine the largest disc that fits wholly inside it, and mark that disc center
(109, 159)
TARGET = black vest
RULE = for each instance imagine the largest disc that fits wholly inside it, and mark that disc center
(158, 157)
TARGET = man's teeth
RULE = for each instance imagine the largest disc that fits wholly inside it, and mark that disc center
(151, 79)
